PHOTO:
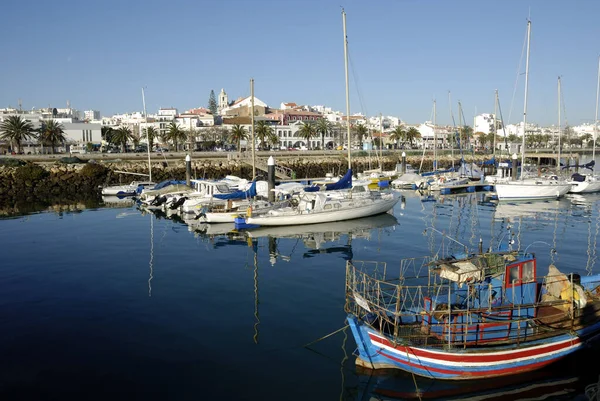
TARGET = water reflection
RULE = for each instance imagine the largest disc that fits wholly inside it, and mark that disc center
(568, 380)
(323, 238)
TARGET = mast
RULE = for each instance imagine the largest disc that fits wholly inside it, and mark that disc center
(252, 127)
(380, 141)
(147, 136)
(596, 117)
(525, 101)
(559, 125)
(454, 126)
(434, 138)
(460, 127)
(347, 89)
(495, 123)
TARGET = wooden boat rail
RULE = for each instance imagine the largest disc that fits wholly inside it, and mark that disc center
(387, 304)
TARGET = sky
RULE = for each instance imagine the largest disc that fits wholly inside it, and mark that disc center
(403, 55)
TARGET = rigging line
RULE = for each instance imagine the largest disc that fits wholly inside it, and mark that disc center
(357, 85)
(503, 128)
(512, 102)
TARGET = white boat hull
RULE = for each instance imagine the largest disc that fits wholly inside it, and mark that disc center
(363, 207)
(532, 189)
(591, 184)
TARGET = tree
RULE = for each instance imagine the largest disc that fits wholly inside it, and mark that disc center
(360, 132)
(237, 135)
(412, 134)
(212, 103)
(51, 133)
(121, 136)
(587, 139)
(398, 134)
(176, 135)
(273, 140)
(323, 127)
(466, 133)
(106, 133)
(150, 134)
(262, 131)
(16, 130)
(307, 131)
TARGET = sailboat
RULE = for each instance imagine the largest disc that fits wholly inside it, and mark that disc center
(330, 205)
(530, 188)
(586, 183)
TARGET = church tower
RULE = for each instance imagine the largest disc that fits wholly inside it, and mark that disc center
(222, 100)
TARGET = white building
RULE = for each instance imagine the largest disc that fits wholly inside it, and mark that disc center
(222, 102)
(91, 115)
(483, 123)
(167, 112)
(242, 107)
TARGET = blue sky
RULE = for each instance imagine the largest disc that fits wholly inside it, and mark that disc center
(403, 54)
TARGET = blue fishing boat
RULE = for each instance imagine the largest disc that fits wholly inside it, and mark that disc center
(465, 316)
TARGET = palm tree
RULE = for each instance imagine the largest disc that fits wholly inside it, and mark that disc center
(360, 131)
(121, 136)
(273, 140)
(412, 134)
(307, 131)
(176, 134)
(150, 134)
(16, 130)
(51, 133)
(106, 133)
(398, 134)
(263, 131)
(466, 133)
(238, 133)
(323, 127)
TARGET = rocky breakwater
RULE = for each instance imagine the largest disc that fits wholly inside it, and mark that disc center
(32, 183)
(50, 182)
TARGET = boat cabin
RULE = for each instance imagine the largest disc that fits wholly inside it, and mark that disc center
(493, 295)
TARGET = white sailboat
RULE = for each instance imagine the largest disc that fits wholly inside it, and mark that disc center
(530, 188)
(333, 205)
(587, 183)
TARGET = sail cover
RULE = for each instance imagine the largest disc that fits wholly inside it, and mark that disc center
(343, 183)
(249, 193)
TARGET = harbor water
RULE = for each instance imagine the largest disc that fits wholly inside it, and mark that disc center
(112, 302)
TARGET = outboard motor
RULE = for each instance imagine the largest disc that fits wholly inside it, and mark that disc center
(178, 203)
(159, 200)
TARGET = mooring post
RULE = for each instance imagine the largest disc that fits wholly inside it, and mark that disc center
(514, 166)
(271, 178)
(188, 170)
(403, 162)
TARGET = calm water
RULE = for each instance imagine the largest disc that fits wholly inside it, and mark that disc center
(113, 303)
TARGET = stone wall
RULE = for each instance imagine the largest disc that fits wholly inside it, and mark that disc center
(82, 182)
